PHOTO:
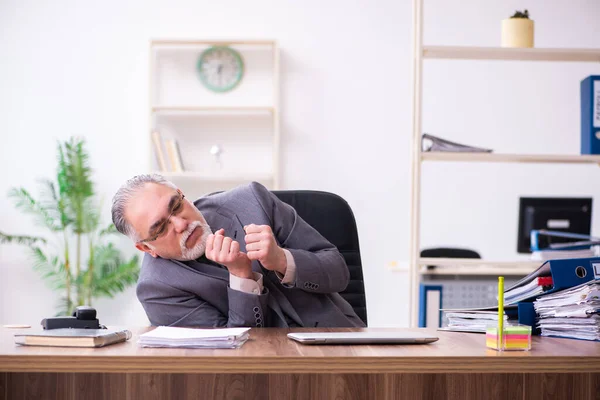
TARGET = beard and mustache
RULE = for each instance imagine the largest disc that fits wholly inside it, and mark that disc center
(196, 251)
(200, 247)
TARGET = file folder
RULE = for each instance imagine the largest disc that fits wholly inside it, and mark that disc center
(590, 115)
(430, 304)
(522, 313)
(565, 274)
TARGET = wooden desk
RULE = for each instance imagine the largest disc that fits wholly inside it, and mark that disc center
(269, 366)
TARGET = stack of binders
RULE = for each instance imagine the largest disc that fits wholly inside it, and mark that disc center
(551, 277)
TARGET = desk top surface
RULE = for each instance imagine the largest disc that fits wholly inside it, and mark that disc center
(269, 351)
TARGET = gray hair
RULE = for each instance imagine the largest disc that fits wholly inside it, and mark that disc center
(124, 195)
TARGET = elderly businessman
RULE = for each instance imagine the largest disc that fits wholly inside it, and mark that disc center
(237, 258)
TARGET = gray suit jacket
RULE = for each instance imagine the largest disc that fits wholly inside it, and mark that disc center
(197, 293)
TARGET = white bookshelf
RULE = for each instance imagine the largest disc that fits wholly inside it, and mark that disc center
(244, 122)
(446, 266)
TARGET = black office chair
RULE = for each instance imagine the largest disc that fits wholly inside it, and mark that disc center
(333, 218)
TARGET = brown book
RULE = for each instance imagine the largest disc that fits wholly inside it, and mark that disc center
(73, 337)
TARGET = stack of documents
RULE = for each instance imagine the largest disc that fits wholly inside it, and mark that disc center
(572, 313)
(163, 336)
(475, 320)
(537, 286)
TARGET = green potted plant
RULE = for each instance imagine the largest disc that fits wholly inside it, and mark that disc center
(77, 259)
(517, 31)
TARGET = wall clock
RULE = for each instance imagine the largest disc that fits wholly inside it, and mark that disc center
(220, 68)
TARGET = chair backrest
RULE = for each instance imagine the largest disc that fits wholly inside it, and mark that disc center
(448, 252)
(333, 218)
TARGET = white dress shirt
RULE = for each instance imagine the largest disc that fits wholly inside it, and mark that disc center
(255, 285)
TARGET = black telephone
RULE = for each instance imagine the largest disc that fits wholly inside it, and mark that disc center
(84, 317)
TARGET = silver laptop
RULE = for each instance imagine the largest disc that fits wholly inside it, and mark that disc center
(362, 337)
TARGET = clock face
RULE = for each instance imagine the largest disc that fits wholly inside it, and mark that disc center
(220, 68)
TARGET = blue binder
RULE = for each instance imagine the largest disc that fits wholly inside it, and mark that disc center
(528, 316)
(565, 274)
(590, 115)
(424, 308)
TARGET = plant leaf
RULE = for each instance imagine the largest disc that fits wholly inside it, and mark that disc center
(107, 258)
(24, 240)
(109, 230)
(54, 202)
(117, 280)
(26, 203)
(64, 308)
(51, 269)
(75, 181)
(90, 216)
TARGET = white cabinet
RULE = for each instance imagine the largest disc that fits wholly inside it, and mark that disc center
(224, 138)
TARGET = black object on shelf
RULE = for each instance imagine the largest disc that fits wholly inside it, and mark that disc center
(448, 252)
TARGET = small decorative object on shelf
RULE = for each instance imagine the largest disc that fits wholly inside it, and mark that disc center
(517, 31)
(216, 151)
(220, 68)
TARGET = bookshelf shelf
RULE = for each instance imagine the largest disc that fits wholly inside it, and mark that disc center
(216, 178)
(217, 42)
(205, 110)
(511, 158)
(511, 54)
(470, 266)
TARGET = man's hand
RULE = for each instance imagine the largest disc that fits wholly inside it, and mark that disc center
(226, 251)
(261, 246)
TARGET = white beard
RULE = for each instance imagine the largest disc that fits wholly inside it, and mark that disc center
(200, 247)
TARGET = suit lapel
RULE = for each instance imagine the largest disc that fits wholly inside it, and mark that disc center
(231, 223)
(237, 232)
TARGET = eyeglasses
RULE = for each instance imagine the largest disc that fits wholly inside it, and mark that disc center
(161, 229)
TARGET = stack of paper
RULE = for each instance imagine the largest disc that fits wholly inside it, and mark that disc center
(163, 336)
(476, 320)
(573, 313)
(536, 287)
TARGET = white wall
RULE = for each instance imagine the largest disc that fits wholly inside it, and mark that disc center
(80, 68)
